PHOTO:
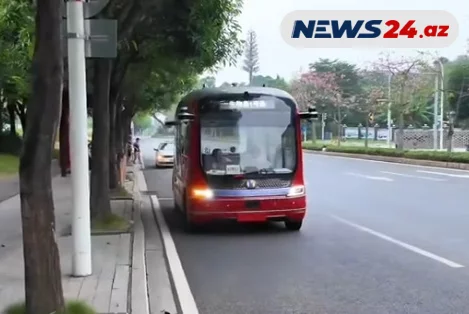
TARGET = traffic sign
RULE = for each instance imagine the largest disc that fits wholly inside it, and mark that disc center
(90, 8)
(371, 117)
(101, 38)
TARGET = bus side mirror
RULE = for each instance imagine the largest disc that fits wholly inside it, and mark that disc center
(184, 115)
(310, 114)
(170, 123)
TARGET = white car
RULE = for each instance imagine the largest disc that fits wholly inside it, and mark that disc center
(165, 155)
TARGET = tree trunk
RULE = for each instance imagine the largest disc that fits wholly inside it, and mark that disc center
(100, 203)
(12, 119)
(113, 175)
(339, 126)
(1, 119)
(21, 113)
(64, 135)
(367, 125)
(119, 142)
(42, 273)
(313, 132)
(400, 142)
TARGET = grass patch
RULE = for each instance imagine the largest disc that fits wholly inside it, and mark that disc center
(458, 157)
(111, 223)
(120, 193)
(351, 142)
(71, 307)
(9, 165)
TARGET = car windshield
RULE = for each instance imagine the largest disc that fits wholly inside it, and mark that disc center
(167, 147)
(255, 136)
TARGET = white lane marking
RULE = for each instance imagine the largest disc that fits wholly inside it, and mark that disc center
(183, 290)
(369, 177)
(411, 176)
(466, 176)
(165, 199)
(181, 285)
(384, 162)
(400, 243)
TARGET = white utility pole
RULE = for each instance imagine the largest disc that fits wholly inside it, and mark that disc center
(442, 102)
(435, 114)
(389, 111)
(81, 227)
(323, 125)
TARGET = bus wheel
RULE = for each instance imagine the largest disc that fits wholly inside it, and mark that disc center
(189, 226)
(293, 225)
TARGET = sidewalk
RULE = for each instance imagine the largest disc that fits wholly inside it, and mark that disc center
(119, 280)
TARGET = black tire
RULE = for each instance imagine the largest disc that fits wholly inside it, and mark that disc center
(293, 225)
(189, 227)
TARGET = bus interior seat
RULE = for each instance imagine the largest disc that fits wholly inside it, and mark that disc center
(207, 160)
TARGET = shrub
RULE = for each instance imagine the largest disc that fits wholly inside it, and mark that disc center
(72, 307)
(459, 157)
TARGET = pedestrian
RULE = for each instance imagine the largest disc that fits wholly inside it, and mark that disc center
(136, 147)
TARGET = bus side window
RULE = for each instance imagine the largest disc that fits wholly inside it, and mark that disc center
(184, 138)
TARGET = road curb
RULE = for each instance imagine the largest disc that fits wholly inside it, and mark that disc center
(139, 302)
(397, 160)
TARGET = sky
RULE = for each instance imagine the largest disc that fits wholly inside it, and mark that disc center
(276, 57)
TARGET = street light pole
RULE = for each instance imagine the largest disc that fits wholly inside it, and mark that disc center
(389, 111)
(435, 114)
(442, 101)
(81, 258)
(323, 125)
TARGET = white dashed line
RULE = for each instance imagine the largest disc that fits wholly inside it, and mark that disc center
(409, 247)
(465, 176)
(411, 176)
(359, 175)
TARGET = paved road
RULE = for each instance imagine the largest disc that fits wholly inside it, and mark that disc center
(379, 238)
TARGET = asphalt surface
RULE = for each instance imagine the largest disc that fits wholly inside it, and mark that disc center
(379, 238)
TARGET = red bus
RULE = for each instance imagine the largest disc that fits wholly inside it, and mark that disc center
(239, 156)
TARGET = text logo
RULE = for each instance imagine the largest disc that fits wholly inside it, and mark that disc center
(251, 184)
(375, 29)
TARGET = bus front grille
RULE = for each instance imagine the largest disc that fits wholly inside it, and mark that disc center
(240, 184)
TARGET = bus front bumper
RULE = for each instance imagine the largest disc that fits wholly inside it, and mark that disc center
(248, 210)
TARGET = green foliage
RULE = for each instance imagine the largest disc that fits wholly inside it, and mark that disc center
(347, 74)
(9, 165)
(172, 44)
(459, 157)
(72, 307)
(143, 121)
(16, 42)
(251, 55)
(208, 82)
(277, 82)
(457, 88)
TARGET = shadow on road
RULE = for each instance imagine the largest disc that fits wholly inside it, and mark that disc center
(175, 221)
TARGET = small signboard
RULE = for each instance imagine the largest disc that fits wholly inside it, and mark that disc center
(248, 104)
(90, 8)
(101, 39)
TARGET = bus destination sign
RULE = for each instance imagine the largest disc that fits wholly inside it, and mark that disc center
(251, 104)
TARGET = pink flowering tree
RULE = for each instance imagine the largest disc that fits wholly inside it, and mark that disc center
(322, 91)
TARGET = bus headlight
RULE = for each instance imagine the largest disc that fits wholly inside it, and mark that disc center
(297, 190)
(202, 193)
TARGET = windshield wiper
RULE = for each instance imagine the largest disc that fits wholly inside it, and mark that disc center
(262, 171)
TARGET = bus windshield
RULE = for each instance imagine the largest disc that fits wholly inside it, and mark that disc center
(248, 136)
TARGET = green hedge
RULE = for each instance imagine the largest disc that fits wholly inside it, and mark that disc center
(460, 157)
